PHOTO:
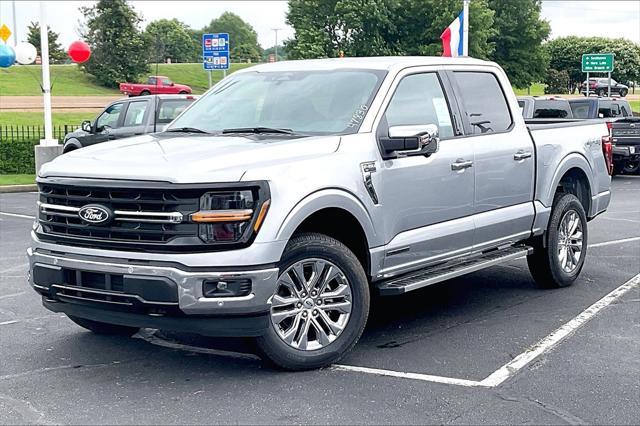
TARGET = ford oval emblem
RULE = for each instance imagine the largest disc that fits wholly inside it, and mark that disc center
(95, 214)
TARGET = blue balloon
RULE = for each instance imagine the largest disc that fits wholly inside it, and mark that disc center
(7, 56)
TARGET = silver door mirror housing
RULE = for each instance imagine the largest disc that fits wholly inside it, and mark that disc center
(411, 140)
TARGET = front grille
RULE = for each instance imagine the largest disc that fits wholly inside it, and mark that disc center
(149, 215)
(140, 294)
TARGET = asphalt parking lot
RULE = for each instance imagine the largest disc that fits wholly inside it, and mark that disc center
(425, 358)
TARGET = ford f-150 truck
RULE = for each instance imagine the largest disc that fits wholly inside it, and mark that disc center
(289, 193)
(155, 85)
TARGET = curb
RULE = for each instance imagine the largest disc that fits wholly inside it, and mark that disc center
(6, 189)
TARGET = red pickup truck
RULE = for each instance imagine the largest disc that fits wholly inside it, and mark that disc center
(155, 85)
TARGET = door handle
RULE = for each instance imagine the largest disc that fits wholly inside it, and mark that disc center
(521, 155)
(461, 164)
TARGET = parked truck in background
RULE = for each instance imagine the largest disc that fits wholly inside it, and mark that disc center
(155, 85)
(290, 192)
(128, 117)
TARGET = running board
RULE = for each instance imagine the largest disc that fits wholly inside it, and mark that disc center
(436, 274)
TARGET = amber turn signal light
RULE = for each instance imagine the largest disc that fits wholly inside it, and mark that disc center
(216, 216)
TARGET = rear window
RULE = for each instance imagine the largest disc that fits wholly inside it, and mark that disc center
(552, 109)
(483, 101)
(580, 109)
(170, 109)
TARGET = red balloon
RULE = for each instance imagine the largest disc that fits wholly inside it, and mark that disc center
(79, 52)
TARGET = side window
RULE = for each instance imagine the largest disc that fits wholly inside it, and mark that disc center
(151, 80)
(615, 110)
(484, 102)
(419, 100)
(109, 117)
(166, 82)
(170, 109)
(135, 114)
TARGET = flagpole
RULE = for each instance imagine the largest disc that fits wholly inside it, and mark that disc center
(465, 29)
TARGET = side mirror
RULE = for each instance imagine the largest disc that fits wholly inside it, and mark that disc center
(406, 141)
(86, 126)
(172, 84)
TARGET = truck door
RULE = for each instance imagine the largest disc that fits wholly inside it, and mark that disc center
(427, 202)
(135, 119)
(504, 159)
(106, 124)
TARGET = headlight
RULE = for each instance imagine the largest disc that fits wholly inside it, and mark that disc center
(229, 216)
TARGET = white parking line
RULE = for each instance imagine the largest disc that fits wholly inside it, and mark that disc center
(608, 243)
(519, 362)
(24, 216)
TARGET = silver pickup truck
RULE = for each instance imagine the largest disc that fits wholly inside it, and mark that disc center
(288, 194)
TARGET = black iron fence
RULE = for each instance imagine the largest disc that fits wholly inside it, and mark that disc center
(11, 133)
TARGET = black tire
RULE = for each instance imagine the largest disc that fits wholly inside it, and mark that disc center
(544, 263)
(623, 93)
(631, 167)
(104, 328)
(601, 93)
(182, 92)
(319, 246)
(145, 93)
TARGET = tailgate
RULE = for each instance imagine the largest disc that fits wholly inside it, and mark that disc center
(626, 132)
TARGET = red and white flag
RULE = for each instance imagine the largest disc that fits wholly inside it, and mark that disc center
(452, 37)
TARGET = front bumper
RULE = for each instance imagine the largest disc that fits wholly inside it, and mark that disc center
(150, 294)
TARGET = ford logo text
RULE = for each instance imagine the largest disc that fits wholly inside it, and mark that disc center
(95, 214)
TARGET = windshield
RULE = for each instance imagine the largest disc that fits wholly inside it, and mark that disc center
(305, 102)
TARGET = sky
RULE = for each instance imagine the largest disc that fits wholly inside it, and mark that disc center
(582, 18)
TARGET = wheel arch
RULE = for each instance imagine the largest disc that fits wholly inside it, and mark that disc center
(573, 175)
(338, 214)
(71, 145)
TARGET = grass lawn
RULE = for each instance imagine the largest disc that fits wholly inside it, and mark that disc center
(537, 89)
(70, 80)
(635, 106)
(37, 118)
(17, 179)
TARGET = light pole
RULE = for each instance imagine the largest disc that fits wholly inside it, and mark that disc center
(275, 30)
(15, 28)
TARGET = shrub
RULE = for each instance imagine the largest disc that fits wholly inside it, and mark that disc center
(17, 157)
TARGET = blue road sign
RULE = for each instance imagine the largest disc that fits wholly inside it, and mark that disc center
(215, 51)
(216, 61)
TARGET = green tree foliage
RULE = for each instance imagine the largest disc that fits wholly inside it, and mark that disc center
(56, 53)
(118, 49)
(557, 82)
(518, 40)
(565, 53)
(171, 39)
(324, 28)
(282, 53)
(243, 38)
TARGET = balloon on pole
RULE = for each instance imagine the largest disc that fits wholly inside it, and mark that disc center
(25, 53)
(7, 56)
(79, 52)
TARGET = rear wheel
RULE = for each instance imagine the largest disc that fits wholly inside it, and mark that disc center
(631, 166)
(623, 93)
(601, 93)
(183, 92)
(145, 93)
(559, 262)
(320, 306)
(104, 328)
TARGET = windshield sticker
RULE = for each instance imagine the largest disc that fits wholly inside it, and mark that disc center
(358, 116)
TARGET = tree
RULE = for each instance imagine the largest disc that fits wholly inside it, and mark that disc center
(175, 40)
(518, 40)
(556, 82)
(118, 49)
(282, 53)
(56, 53)
(243, 38)
(324, 28)
(565, 53)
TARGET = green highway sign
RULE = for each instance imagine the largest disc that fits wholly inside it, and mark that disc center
(597, 62)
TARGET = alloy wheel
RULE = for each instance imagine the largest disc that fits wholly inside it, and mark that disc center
(569, 247)
(312, 304)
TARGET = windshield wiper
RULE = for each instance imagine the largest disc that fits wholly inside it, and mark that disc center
(258, 130)
(187, 130)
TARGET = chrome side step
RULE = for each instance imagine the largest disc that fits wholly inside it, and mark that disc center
(436, 274)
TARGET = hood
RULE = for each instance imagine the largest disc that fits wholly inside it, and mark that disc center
(184, 158)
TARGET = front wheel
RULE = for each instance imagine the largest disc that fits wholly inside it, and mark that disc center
(104, 328)
(320, 306)
(559, 262)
